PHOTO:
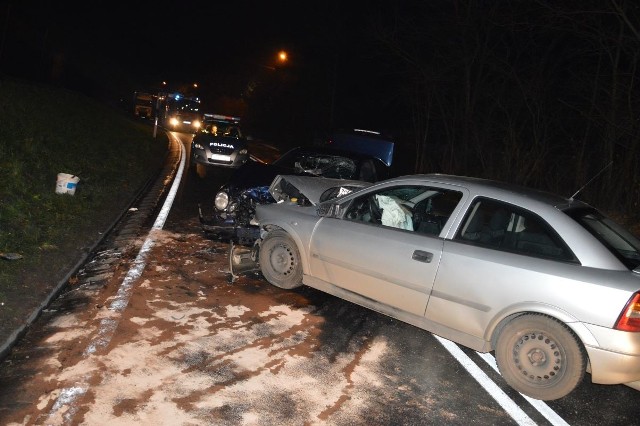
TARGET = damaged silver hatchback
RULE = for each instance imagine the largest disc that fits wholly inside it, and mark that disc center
(548, 283)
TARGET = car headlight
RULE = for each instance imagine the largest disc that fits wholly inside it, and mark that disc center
(222, 200)
(196, 145)
(196, 124)
(173, 121)
(242, 151)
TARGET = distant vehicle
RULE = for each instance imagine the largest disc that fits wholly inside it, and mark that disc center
(218, 143)
(235, 201)
(143, 104)
(548, 283)
(179, 112)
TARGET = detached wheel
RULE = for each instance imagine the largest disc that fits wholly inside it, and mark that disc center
(201, 170)
(280, 260)
(540, 357)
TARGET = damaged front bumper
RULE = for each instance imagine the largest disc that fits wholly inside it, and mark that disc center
(226, 229)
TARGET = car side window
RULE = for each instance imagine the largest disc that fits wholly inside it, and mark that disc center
(414, 208)
(232, 131)
(502, 226)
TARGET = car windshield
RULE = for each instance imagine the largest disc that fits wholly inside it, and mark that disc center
(319, 164)
(222, 129)
(618, 240)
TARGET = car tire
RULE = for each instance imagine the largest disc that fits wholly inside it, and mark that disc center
(540, 357)
(280, 260)
(201, 170)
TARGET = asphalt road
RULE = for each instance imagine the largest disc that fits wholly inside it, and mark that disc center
(169, 339)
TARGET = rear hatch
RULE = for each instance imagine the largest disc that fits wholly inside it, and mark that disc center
(365, 142)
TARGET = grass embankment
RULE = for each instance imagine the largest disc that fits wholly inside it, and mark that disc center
(46, 131)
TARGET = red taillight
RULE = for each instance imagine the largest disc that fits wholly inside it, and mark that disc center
(629, 319)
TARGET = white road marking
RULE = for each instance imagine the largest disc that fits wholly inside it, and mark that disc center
(108, 325)
(541, 406)
(496, 393)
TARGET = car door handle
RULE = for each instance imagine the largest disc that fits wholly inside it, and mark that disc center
(422, 256)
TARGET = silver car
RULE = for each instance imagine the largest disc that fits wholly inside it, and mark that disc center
(548, 283)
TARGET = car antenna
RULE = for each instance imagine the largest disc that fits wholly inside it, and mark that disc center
(591, 180)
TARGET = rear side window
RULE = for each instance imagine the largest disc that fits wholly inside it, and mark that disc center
(502, 226)
(622, 243)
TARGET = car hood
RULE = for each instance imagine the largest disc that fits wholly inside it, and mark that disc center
(225, 141)
(293, 187)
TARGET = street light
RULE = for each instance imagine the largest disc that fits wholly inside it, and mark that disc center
(281, 58)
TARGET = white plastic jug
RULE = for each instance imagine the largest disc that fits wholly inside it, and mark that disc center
(66, 184)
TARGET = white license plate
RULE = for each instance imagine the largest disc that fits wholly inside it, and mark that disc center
(220, 157)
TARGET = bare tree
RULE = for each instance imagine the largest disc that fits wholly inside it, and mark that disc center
(538, 93)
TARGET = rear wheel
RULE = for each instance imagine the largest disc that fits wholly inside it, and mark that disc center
(280, 260)
(540, 357)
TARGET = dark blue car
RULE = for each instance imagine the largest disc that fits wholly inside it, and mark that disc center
(234, 204)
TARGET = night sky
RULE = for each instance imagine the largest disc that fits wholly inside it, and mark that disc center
(159, 38)
(106, 48)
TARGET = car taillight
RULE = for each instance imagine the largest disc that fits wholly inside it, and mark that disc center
(629, 319)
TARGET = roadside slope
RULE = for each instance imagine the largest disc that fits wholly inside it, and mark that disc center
(47, 131)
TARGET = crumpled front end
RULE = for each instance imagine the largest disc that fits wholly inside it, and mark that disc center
(234, 218)
(312, 190)
(236, 221)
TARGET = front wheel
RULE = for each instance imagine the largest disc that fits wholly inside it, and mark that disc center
(280, 260)
(540, 357)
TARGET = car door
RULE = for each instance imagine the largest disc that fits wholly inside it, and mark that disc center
(501, 256)
(382, 258)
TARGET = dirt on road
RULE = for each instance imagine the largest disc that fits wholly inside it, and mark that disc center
(193, 348)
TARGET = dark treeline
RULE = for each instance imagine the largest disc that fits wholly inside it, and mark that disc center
(540, 93)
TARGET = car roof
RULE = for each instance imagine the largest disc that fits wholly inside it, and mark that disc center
(322, 149)
(501, 190)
